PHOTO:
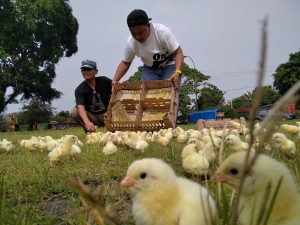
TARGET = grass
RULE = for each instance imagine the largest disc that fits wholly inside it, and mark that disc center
(33, 192)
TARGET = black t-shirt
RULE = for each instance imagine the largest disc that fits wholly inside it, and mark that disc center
(94, 101)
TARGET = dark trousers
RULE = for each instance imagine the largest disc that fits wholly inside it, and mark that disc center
(96, 118)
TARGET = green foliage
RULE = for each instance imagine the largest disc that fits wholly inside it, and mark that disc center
(210, 97)
(287, 74)
(34, 35)
(184, 105)
(191, 81)
(3, 122)
(62, 117)
(269, 95)
(37, 111)
(237, 103)
(229, 111)
(137, 75)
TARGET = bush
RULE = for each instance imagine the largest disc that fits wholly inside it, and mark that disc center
(229, 112)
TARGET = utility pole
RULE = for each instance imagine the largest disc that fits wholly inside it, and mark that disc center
(196, 95)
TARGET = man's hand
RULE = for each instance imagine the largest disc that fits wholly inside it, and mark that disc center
(113, 85)
(175, 78)
(90, 127)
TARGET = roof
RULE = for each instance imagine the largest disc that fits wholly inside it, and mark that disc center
(204, 114)
(206, 111)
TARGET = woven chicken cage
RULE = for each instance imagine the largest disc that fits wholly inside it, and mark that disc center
(142, 106)
(218, 124)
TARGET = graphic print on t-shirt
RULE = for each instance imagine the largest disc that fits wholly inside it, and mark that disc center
(159, 59)
(97, 104)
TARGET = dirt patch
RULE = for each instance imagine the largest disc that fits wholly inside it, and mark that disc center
(55, 205)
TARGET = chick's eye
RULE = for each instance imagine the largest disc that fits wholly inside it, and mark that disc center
(233, 171)
(143, 175)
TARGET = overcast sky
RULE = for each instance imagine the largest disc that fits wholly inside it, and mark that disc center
(221, 36)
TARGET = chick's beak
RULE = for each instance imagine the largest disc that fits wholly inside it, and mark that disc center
(220, 177)
(128, 182)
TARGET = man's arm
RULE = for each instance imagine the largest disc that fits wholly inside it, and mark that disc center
(121, 70)
(175, 78)
(88, 124)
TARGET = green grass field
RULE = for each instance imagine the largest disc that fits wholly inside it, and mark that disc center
(33, 192)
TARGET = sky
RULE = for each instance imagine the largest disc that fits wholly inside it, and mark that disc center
(220, 37)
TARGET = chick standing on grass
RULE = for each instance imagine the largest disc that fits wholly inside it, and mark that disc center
(65, 149)
(160, 197)
(193, 162)
(236, 144)
(291, 129)
(262, 179)
(286, 145)
(6, 145)
(110, 148)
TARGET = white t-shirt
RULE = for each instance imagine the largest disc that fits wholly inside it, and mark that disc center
(156, 50)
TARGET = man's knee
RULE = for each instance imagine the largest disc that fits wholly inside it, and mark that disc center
(74, 112)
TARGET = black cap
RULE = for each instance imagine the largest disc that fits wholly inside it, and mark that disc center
(137, 17)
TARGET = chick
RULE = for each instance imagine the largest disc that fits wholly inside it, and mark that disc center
(162, 140)
(262, 180)
(109, 148)
(193, 162)
(236, 144)
(291, 129)
(209, 151)
(235, 124)
(182, 137)
(286, 145)
(65, 149)
(54, 155)
(6, 145)
(141, 145)
(160, 197)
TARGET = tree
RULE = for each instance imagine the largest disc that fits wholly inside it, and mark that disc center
(269, 95)
(37, 111)
(191, 82)
(237, 103)
(137, 75)
(62, 117)
(34, 35)
(287, 74)
(210, 97)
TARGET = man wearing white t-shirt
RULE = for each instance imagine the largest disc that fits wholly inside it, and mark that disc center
(157, 47)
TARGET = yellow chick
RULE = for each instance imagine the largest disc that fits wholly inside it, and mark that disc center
(65, 149)
(193, 162)
(286, 145)
(51, 145)
(235, 124)
(109, 148)
(141, 145)
(160, 197)
(236, 144)
(162, 140)
(291, 129)
(223, 132)
(262, 181)
(6, 145)
(54, 155)
(182, 137)
(209, 151)
(169, 133)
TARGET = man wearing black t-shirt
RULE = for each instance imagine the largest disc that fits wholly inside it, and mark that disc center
(92, 97)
